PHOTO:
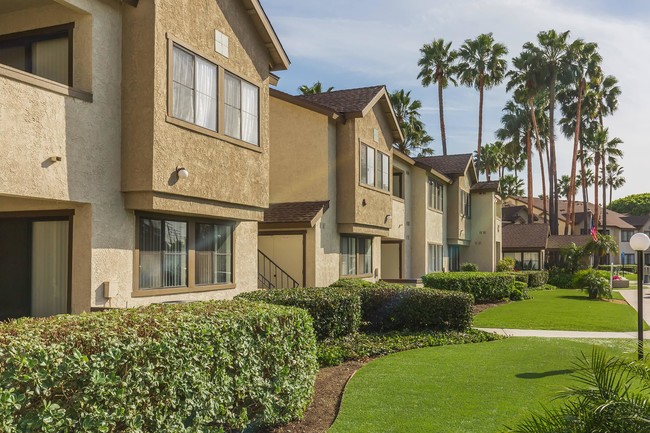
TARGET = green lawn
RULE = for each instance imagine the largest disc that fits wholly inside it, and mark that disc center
(561, 309)
(472, 388)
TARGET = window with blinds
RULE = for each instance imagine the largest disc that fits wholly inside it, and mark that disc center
(213, 259)
(241, 109)
(436, 195)
(163, 253)
(374, 168)
(435, 258)
(44, 52)
(356, 256)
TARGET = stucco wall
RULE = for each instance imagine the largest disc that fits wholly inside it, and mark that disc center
(418, 205)
(482, 249)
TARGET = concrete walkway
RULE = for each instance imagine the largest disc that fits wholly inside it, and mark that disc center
(629, 295)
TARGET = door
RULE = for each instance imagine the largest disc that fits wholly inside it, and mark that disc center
(286, 252)
(15, 268)
(391, 260)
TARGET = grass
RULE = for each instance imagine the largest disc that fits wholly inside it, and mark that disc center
(561, 309)
(469, 388)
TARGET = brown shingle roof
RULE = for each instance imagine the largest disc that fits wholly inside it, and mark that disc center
(344, 101)
(492, 185)
(296, 212)
(450, 164)
(525, 237)
(636, 220)
(557, 242)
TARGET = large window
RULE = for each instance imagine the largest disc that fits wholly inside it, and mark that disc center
(525, 260)
(629, 259)
(436, 192)
(626, 235)
(195, 97)
(170, 247)
(356, 256)
(44, 52)
(375, 168)
(465, 204)
(435, 258)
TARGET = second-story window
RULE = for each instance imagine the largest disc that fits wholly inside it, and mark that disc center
(626, 235)
(383, 170)
(436, 195)
(241, 109)
(465, 204)
(44, 52)
(194, 89)
(375, 168)
(367, 157)
(398, 184)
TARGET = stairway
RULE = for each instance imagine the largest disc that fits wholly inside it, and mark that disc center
(272, 276)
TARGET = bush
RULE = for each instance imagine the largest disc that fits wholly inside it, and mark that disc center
(618, 268)
(336, 311)
(213, 366)
(560, 278)
(395, 307)
(484, 286)
(537, 278)
(506, 265)
(595, 283)
(469, 267)
(519, 291)
(352, 282)
(579, 279)
(520, 276)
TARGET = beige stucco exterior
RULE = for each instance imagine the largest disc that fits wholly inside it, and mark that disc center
(486, 241)
(119, 149)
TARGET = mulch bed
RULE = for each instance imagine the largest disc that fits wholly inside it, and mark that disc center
(321, 413)
(477, 308)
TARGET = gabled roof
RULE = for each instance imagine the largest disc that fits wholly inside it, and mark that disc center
(492, 185)
(525, 237)
(279, 59)
(353, 103)
(303, 103)
(450, 165)
(306, 212)
(637, 221)
(558, 242)
(511, 213)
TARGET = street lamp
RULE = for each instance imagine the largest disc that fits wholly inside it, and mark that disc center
(639, 243)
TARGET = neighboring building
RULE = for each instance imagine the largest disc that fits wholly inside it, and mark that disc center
(330, 187)
(641, 224)
(135, 137)
(526, 244)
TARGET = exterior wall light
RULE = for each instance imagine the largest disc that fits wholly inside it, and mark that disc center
(639, 243)
(182, 173)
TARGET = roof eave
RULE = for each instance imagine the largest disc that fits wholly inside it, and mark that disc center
(279, 58)
(382, 96)
(304, 104)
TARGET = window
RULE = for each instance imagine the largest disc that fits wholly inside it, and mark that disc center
(626, 235)
(194, 89)
(356, 256)
(530, 261)
(367, 158)
(436, 191)
(213, 254)
(435, 258)
(465, 204)
(383, 171)
(241, 109)
(170, 247)
(454, 258)
(646, 260)
(195, 97)
(628, 259)
(398, 184)
(44, 52)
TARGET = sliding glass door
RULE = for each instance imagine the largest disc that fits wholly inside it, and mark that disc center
(50, 267)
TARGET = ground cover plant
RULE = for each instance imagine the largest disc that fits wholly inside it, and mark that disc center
(561, 309)
(209, 367)
(475, 388)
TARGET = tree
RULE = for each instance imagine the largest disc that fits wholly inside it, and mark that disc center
(550, 54)
(490, 159)
(563, 186)
(635, 204)
(437, 66)
(603, 148)
(407, 112)
(615, 179)
(482, 66)
(315, 88)
(511, 186)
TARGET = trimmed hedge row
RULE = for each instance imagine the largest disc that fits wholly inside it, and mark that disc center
(484, 286)
(626, 268)
(531, 278)
(213, 366)
(335, 311)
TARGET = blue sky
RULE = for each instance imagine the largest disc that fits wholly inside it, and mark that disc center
(360, 43)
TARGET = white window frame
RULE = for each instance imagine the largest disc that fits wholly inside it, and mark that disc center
(435, 258)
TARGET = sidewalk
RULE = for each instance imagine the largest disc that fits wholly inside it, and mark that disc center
(631, 298)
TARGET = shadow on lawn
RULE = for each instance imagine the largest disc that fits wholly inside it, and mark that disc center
(544, 374)
(578, 298)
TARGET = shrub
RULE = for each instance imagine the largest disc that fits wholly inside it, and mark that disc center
(560, 278)
(595, 283)
(520, 276)
(352, 282)
(519, 291)
(485, 286)
(537, 278)
(469, 267)
(395, 307)
(213, 366)
(618, 268)
(507, 264)
(579, 279)
(336, 311)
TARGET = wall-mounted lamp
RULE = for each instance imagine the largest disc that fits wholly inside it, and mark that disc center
(388, 218)
(182, 173)
(363, 202)
(55, 158)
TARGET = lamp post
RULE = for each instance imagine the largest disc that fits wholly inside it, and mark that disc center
(639, 243)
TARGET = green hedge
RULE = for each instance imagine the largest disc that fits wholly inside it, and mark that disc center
(336, 311)
(214, 366)
(617, 268)
(484, 286)
(531, 278)
(395, 307)
(519, 291)
(352, 282)
(520, 276)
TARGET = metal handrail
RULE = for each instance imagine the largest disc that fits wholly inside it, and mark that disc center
(273, 275)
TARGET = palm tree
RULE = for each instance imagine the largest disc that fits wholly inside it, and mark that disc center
(315, 88)
(563, 186)
(603, 148)
(407, 112)
(551, 54)
(482, 66)
(437, 66)
(615, 178)
(511, 186)
(490, 160)
(516, 131)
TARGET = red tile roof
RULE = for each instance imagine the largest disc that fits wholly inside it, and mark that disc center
(296, 212)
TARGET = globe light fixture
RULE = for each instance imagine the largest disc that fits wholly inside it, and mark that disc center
(182, 173)
(639, 243)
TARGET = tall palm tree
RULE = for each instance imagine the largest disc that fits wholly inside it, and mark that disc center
(615, 178)
(603, 149)
(315, 88)
(437, 66)
(516, 131)
(551, 52)
(407, 112)
(482, 66)
(563, 186)
(511, 186)
(490, 160)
